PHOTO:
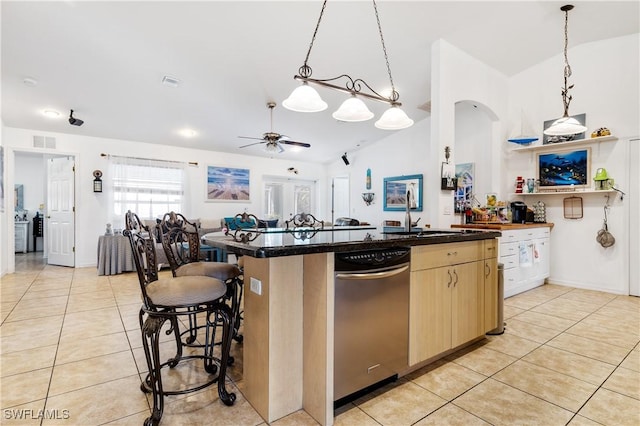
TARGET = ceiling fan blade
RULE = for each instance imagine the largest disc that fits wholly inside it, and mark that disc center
(280, 148)
(302, 144)
(249, 137)
(251, 144)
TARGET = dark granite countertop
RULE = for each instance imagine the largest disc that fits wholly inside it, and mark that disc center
(275, 242)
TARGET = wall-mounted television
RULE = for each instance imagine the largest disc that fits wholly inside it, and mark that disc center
(561, 170)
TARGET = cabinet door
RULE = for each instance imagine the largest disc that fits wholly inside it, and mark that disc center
(467, 301)
(541, 258)
(430, 313)
(490, 294)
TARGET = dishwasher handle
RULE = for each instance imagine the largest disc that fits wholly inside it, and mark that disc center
(372, 275)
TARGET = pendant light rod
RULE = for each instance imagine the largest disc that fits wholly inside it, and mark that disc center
(353, 87)
(566, 98)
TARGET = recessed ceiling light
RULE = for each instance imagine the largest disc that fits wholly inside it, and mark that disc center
(188, 133)
(51, 113)
(170, 81)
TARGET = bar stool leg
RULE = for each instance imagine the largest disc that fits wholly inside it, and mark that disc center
(223, 312)
(153, 382)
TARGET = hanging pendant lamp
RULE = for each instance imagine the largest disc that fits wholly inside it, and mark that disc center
(353, 109)
(566, 125)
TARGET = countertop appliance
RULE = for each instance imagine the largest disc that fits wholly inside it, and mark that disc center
(371, 336)
(518, 212)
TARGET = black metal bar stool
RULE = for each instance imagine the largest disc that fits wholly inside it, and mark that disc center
(166, 299)
(181, 244)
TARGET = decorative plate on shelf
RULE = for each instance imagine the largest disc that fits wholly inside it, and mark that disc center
(523, 140)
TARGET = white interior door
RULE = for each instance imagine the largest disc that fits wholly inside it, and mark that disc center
(340, 197)
(60, 211)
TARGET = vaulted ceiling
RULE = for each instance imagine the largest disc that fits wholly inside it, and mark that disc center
(106, 61)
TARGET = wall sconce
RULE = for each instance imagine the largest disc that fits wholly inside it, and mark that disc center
(368, 197)
(97, 182)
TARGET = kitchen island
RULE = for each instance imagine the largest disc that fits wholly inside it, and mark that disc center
(289, 297)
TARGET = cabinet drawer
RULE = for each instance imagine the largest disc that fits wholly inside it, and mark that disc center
(490, 248)
(510, 236)
(509, 261)
(508, 249)
(436, 255)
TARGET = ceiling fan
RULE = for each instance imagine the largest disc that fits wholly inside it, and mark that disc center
(273, 140)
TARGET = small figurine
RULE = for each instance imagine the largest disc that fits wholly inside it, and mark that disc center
(602, 131)
(109, 231)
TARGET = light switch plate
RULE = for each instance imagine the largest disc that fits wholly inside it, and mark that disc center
(256, 286)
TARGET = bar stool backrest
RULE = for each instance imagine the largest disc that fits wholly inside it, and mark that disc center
(180, 240)
(144, 252)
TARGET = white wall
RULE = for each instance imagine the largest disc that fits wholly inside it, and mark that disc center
(4, 250)
(403, 152)
(92, 209)
(605, 75)
(459, 77)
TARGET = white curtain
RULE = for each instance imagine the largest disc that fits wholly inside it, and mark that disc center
(150, 188)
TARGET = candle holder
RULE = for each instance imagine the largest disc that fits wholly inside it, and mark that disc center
(368, 197)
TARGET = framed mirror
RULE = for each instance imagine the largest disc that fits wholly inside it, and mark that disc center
(398, 188)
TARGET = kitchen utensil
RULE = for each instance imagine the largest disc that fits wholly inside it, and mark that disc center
(604, 237)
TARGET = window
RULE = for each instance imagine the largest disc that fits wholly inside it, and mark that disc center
(150, 188)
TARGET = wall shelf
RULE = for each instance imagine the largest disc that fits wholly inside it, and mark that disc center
(578, 142)
(566, 193)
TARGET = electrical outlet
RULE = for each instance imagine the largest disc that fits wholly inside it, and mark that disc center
(256, 286)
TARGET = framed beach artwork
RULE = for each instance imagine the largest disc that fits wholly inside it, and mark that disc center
(227, 184)
(396, 190)
(564, 169)
(464, 186)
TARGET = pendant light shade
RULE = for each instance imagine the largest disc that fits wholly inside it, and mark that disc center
(394, 119)
(565, 126)
(353, 110)
(304, 99)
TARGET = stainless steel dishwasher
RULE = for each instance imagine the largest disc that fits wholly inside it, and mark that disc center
(371, 335)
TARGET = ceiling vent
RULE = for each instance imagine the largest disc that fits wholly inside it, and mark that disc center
(44, 142)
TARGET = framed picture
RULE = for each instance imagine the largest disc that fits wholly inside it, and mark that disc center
(561, 170)
(398, 188)
(547, 139)
(227, 184)
(465, 173)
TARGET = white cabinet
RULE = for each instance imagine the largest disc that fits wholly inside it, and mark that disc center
(21, 233)
(525, 255)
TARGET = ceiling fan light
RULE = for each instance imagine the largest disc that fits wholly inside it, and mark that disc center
(565, 126)
(304, 98)
(352, 110)
(394, 119)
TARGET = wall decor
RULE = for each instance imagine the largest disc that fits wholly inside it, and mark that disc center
(227, 184)
(396, 189)
(550, 139)
(19, 198)
(465, 173)
(563, 170)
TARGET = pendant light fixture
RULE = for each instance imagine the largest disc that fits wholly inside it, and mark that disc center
(306, 99)
(565, 125)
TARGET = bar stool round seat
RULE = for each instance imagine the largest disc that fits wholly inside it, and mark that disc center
(185, 291)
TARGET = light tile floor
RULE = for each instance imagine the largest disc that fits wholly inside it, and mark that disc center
(70, 346)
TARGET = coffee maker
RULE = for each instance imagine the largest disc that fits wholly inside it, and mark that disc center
(518, 212)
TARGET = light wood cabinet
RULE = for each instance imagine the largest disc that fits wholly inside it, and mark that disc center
(447, 302)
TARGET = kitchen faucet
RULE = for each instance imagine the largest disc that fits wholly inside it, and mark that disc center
(407, 215)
